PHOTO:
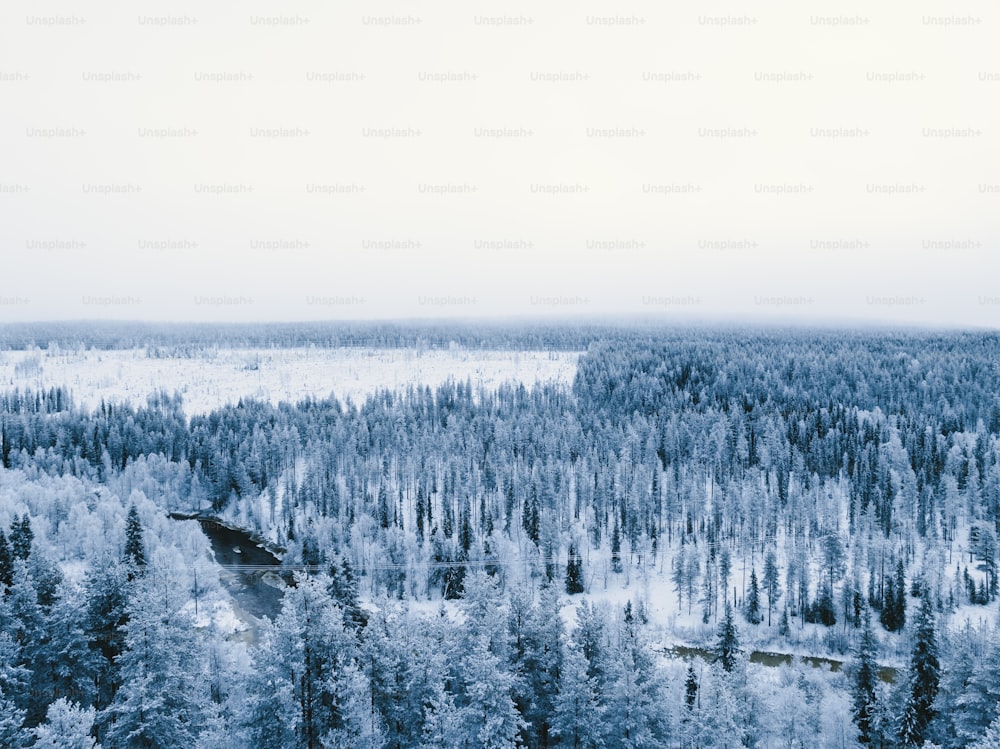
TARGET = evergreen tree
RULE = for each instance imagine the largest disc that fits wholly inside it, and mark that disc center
(678, 574)
(616, 548)
(494, 722)
(720, 723)
(975, 676)
(578, 717)
(64, 665)
(824, 610)
(574, 572)
(163, 693)
(12, 733)
(590, 637)
(107, 593)
(890, 607)
(135, 551)
(634, 715)
(537, 663)
(727, 648)
(990, 739)
(690, 688)
(21, 537)
(925, 674)
(752, 611)
(865, 681)
(784, 628)
(899, 617)
(386, 661)
(771, 583)
(343, 589)
(725, 569)
(6, 562)
(306, 683)
(67, 726)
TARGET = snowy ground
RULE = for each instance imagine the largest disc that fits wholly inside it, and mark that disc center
(214, 377)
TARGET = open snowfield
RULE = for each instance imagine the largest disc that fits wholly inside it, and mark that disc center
(214, 377)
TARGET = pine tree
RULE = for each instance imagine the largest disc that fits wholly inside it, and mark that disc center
(752, 612)
(899, 616)
(421, 511)
(634, 692)
(725, 569)
(890, 608)
(358, 726)
(616, 548)
(494, 722)
(678, 574)
(690, 688)
(975, 676)
(107, 592)
(578, 718)
(67, 726)
(21, 537)
(63, 663)
(6, 562)
(784, 628)
(343, 589)
(306, 683)
(771, 584)
(925, 674)
(163, 693)
(865, 680)
(990, 739)
(441, 722)
(590, 637)
(574, 572)
(728, 646)
(825, 612)
(12, 733)
(537, 662)
(386, 660)
(692, 568)
(135, 551)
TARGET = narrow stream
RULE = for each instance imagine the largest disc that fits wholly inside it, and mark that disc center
(886, 674)
(246, 564)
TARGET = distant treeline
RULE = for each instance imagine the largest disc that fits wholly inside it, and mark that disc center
(177, 338)
(499, 334)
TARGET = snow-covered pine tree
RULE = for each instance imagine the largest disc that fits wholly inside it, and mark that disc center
(727, 647)
(752, 612)
(578, 717)
(978, 702)
(690, 688)
(6, 562)
(865, 681)
(163, 694)
(990, 739)
(493, 721)
(574, 572)
(772, 584)
(66, 726)
(135, 548)
(12, 733)
(924, 678)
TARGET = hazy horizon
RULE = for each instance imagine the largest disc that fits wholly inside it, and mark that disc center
(237, 162)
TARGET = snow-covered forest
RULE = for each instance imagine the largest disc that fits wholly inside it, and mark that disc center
(706, 537)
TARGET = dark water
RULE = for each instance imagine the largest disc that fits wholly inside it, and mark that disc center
(886, 673)
(235, 548)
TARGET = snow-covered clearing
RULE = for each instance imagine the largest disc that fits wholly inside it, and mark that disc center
(210, 378)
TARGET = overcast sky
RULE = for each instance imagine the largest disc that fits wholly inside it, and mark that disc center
(316, 160)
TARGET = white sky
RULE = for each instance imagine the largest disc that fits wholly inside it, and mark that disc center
(172, 251)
